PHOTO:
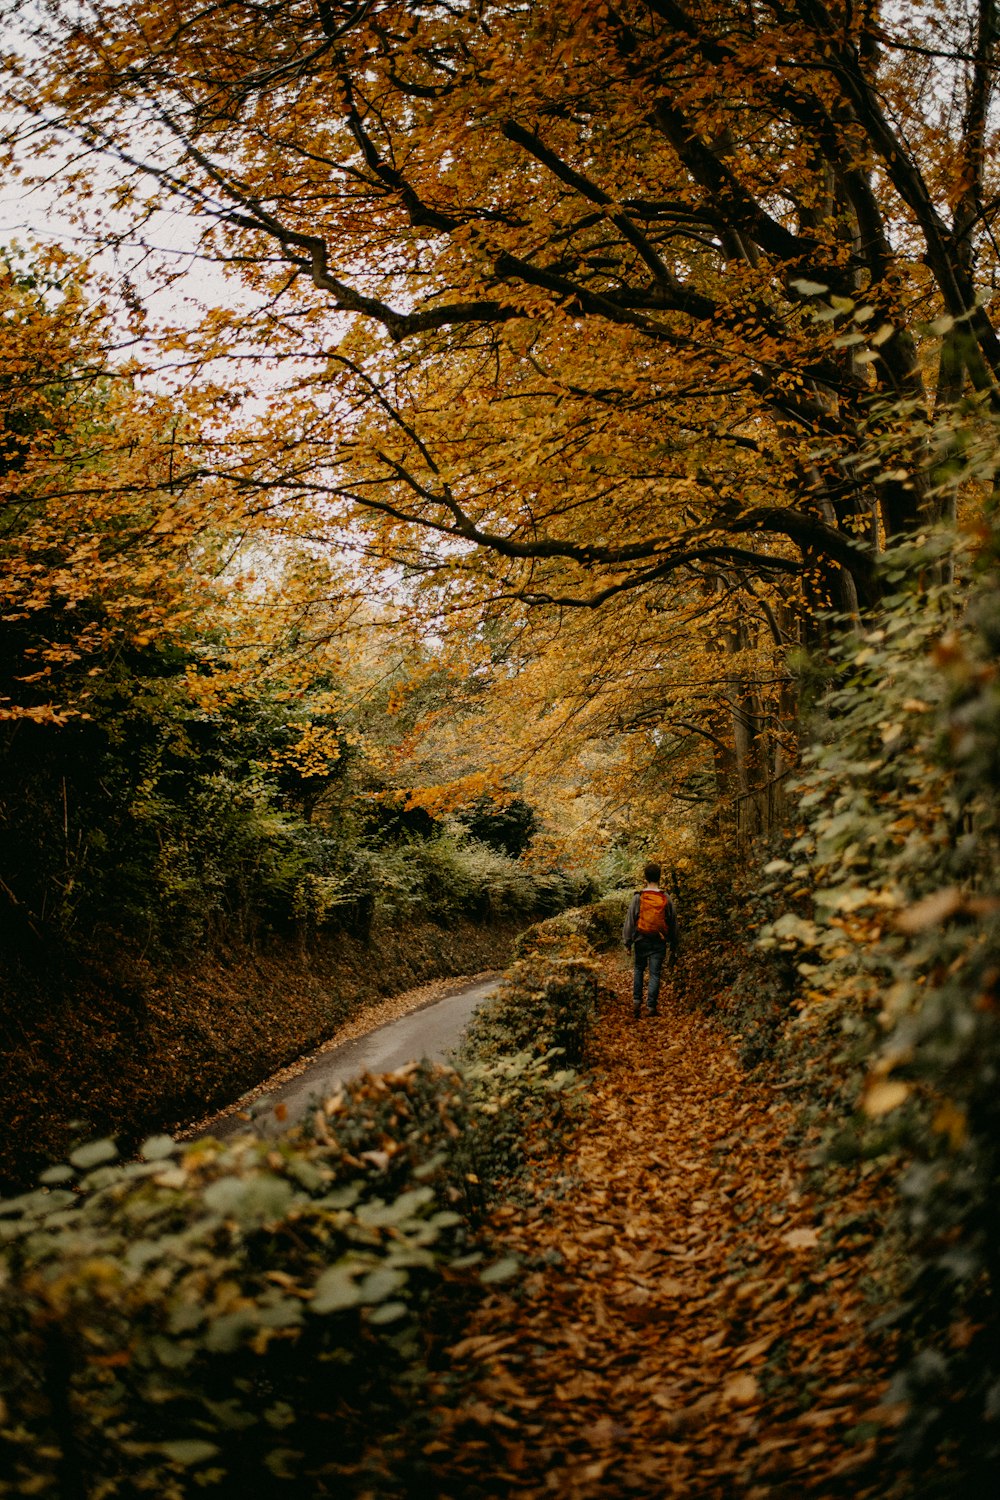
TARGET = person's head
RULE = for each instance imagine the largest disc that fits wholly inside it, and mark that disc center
(651, 871)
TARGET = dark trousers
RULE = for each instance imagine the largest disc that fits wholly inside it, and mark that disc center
(651, 951)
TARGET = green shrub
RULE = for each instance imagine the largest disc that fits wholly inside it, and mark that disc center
(519, 1059)
(545, 1003)
(215, 1315)
(885, 940)
(233, 1319)
(156, 825)
(450, 875)
(598, 925)
(152, 822)
(508, 827)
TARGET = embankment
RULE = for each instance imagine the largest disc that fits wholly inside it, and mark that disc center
(120, 1045)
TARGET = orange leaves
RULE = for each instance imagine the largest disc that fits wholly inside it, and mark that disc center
(801, 1239)
(525, 320)
(504, 362)
(677, 1321)
(751, 1353)
(740, 1390)
(481, 1346)
(101, 511)
(883, 1095)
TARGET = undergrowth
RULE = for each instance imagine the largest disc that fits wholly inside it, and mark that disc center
(225, 1319)
(863, 964)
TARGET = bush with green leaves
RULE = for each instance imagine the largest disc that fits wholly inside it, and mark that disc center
(450, 874)
(724, 904)
(166, 825)
(507, 826)
(232, 1319)
(547, 1002)
(217, 1314)
(887, 921)
(521, 1052)
(597, 925)
(152, 819)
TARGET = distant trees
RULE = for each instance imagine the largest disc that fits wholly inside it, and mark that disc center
(162, 746)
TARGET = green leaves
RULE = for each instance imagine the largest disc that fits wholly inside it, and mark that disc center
(260, 1200)
(94, 1154)
(895, 901)
(337, 1288)
(188, 1452)
(54, 1175)
(251, 1302)
(390, 1215)
(500, 1271)
(158, 1148)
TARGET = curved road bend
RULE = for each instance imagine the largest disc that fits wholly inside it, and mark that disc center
(432, 1032)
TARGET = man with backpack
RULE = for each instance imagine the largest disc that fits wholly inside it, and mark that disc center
(650, 924)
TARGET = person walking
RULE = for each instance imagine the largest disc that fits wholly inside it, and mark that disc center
(650, 925)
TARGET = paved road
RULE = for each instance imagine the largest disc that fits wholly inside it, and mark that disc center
(432, 1032)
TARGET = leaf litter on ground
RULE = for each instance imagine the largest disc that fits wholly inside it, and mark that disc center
(693, 1320)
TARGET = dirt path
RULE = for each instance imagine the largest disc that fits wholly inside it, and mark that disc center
(696, 1324)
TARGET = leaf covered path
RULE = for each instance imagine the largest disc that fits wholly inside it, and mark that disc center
(694, 1319)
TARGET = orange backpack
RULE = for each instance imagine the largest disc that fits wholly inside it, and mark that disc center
(652, 918)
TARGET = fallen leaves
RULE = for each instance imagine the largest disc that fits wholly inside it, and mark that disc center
(801, 1239)
(693, 1325)
(740, 1390)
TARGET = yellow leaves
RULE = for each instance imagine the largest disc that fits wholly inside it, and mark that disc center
(314, 752)
(96, 546)
(950, 1119)
(594, 422)
(45, 713)
(883, 1095)
(449, 796)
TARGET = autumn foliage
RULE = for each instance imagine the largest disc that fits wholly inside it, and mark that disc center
(637, 307)
(100, 520)
(577, 439)
(691, 1319)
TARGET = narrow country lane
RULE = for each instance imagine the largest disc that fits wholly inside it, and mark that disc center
(431, 1029)
(690, 1323)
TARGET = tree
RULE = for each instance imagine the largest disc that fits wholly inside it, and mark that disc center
(146, 730)
(548, 279)
(101, 510)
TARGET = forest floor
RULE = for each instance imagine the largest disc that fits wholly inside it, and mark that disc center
(694, 1319)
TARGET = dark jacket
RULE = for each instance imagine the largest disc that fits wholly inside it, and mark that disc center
(632, 916)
